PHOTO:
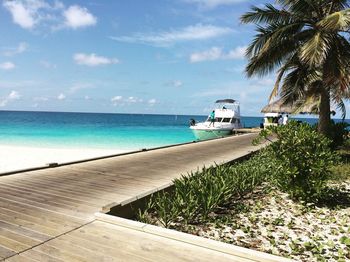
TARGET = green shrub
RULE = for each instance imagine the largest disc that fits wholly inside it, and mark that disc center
(338, 133)
(302, 159)
(198, 194)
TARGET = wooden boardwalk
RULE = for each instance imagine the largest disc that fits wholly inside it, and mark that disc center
(48, 215)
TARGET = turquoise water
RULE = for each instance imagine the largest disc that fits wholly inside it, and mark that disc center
(103, 131)
(85, 130)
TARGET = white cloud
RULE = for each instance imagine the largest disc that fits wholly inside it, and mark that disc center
(93, 59)
(7, 66)
(76, 16)
(189, 33)
(61, 96)
(152, 102)
(14, 95)
(175, 83)
(27, 13)
(210, 55)
(22, 47)
(237, 53)
(132, 99)
(116, 100)
(216, 53)
(214, 3)
(87, 97)
(120, 101)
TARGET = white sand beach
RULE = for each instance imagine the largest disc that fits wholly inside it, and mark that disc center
(21, 157)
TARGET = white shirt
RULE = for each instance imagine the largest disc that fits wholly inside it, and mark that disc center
(280, 121)
(285, 120)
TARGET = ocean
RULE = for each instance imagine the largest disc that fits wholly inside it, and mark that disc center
(100, 131)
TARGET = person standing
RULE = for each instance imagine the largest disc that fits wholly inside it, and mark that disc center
(285, 120)
(280, 120)
(212, 118)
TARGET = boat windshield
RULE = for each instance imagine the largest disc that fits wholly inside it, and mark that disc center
(224, 105)
(224, 120)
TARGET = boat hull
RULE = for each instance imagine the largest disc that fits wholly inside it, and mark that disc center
(202, 134)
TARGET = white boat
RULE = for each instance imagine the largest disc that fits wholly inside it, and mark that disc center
(227, 118)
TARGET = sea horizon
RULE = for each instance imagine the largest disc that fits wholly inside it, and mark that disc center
(122, 131)
(298, 116)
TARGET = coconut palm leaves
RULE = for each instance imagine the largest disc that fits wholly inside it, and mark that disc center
(306, 41)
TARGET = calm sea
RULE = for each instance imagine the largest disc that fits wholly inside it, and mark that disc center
(92, 130)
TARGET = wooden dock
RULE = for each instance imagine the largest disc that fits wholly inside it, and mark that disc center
(49, 214)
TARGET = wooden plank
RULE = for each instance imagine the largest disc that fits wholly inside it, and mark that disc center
(108, 180)
(18, 258)
(51, 191)
(63, 226)
(113, 176)
(40, 212)
(83, 186)
(24, 231)
(153, 247)
(100, 248)
(67, 212)
(47, 200)
(61, 254)
(68, 189)
(12, 244)
(29, 225)
(42, 194)
(18, 237)
(84, 253)
(5, 252)
(39, 256)
(93, 197)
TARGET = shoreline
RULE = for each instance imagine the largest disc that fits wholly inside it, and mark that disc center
(16, 157)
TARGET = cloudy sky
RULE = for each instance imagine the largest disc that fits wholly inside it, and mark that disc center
(135, 56)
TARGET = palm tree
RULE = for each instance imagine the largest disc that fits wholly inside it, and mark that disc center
(307, 41)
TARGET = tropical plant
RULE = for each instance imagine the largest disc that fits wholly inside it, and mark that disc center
(307, 41)
(338, 133)
(199, 193)
(302, 158)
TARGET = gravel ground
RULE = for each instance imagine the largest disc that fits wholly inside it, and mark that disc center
(269, 221)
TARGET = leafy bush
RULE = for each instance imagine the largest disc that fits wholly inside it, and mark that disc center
(338, 133)
(198, 194)
(302, 159)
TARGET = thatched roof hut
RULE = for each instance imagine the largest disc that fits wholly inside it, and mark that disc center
(281, 107)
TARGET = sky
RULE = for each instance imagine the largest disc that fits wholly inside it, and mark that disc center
(135, 56)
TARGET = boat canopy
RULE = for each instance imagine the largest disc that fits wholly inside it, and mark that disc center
(229, 101)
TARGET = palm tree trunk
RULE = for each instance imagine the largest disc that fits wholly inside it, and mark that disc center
(325, 113)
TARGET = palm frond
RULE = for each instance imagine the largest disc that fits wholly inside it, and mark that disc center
(338, 5)
(275, 89)
(314, 51)
(336, 21)
(339, 103)
(268, 14)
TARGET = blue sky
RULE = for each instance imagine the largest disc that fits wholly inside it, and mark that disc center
(135, 56)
